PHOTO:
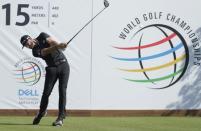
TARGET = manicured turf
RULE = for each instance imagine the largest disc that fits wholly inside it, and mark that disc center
(104, 124)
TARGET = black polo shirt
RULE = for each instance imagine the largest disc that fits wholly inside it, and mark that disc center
(50, 59)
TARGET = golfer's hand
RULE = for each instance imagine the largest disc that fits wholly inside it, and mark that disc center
(62, 46)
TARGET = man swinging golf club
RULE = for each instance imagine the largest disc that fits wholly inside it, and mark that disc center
(49, 50)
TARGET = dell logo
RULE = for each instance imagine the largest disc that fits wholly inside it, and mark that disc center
(27, 92)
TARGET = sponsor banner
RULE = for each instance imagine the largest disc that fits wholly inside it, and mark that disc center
(148, 57)
(22, 76)
(135, 55)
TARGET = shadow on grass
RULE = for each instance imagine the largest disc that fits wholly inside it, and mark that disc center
(20, 124)
(15, 124)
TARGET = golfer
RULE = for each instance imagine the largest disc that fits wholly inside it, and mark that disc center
(45, 47)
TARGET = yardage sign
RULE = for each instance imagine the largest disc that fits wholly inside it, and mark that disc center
(25, 13)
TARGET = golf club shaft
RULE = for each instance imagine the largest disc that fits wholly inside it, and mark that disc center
(85, 26)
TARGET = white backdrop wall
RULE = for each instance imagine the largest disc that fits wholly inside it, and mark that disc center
(165, 63)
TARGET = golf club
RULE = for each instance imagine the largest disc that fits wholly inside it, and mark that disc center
(106, 4)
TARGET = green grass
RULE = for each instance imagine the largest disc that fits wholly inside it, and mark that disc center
(104, 124)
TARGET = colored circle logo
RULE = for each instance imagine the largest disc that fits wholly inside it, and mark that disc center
(28, 73)
(157, 57)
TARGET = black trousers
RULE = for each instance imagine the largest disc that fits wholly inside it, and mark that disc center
(60, 72)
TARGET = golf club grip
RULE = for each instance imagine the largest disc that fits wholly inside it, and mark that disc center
(85, 26)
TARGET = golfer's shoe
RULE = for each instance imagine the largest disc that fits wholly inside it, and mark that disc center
(58, 122)
(37, 118)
